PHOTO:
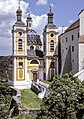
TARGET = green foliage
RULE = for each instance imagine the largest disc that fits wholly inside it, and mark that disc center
(66, 100)
(5, 90)
(29, 99)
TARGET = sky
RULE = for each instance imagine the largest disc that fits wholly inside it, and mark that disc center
(65, 13)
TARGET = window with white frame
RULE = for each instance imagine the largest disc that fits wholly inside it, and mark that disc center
(20, 64)
(20, 44)
(29, 24)
(20, 33)
(51, 45)
(34, 62)
(52, 65)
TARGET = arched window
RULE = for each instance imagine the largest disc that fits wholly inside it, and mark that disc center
(51, 45)
(34, 62)
(20, 44)
(52, 65)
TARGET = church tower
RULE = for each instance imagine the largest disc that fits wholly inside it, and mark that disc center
(50, 48)
(27, 54)
(19, 52)
(29, 22)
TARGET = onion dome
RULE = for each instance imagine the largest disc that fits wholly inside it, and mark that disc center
(19, 13)
(50, 17)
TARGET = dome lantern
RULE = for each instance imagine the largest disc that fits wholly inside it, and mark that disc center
(29, 22)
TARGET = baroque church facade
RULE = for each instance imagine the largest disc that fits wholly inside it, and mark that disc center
(30, 63)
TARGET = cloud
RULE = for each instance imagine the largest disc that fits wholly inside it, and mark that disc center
(51, 4)
(7, 19)
(61, 29)
(39, 22)
(70, 21)
(42, 2)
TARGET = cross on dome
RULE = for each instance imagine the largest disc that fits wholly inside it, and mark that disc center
(50, 7)
(19, 4)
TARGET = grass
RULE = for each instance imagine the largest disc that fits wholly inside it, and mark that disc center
(46, 81)
(26, 116)
(29, 99)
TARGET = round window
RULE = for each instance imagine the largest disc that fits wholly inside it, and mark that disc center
(31, 47)
(52, 34)
(20, 33)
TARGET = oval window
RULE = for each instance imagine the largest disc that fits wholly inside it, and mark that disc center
(52, 34)
(20, 33)
(31, 47)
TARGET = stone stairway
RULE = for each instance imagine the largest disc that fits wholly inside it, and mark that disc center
(40, 88)
(80, 75)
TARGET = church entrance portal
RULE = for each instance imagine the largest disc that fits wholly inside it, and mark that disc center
(34, 76)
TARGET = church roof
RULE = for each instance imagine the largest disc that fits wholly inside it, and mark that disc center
(33, 38)
(50, 26)
(50, 12)
(19, 11)
(19, 23)
(31, 32)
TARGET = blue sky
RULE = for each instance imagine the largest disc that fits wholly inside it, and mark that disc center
(64, 10)
(65, 13)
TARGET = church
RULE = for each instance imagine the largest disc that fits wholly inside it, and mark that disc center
(30, 61)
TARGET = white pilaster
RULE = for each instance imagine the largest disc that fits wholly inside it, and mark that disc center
(82, 22)
(47, 69)
(57, 65)
(14, 70)
(41, 74)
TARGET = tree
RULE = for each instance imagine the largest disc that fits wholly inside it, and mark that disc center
(66, 99)
(5, 91)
